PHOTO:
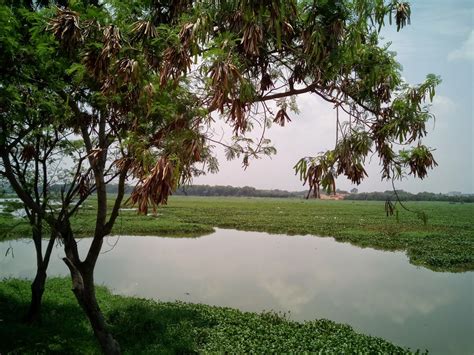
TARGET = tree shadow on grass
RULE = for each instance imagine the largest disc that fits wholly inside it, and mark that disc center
(63, 328)
(148, 327)
(139, 325)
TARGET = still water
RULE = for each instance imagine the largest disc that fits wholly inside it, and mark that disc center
(376, 292)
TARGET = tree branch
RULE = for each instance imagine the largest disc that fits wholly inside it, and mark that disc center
(118, 201)
(291, 92)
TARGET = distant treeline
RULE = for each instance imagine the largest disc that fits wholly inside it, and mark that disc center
(407, 196)
(195, 190)
(246, 191)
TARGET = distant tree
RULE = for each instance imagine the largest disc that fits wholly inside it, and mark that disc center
(390, 195)
(206, 190)
(141, 106)
(354, 190)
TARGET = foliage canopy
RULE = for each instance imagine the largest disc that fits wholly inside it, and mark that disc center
(127, 90)
(156, 70)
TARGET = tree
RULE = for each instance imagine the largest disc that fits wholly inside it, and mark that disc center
(111, 123)
(354, 190)
(31, 158)
(140, 103)
(28, 138)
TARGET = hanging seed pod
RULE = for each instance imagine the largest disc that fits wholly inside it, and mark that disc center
(143, 30)
(66, 29)
(28, 153)
(281, 118)
(155, 188)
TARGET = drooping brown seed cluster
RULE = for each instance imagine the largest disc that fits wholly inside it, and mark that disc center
(66, 29)
(177, 59)
(281, 117)
(143, 30)
(156, 187)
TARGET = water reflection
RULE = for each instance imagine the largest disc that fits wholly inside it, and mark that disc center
(377, 292)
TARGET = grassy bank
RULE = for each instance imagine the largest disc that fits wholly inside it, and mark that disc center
(145, 326)
(445, 243)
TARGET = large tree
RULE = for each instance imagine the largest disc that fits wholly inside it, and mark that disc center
(126, 127)
(143, 79)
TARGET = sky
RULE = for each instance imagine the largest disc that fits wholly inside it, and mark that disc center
(440, 40)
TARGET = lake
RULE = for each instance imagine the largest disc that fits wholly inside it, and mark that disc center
(376, 292)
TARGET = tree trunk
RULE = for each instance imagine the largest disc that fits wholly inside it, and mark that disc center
(37, 290)
(84, 290)
(38, 285)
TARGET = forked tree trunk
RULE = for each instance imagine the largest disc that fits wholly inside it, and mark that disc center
(84, 290)
(82, 272)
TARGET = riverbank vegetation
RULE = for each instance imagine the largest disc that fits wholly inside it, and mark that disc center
(146, 326)
(446, 243)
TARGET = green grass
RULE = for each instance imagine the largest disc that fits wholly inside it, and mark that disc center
(145, 326)
(446, 243)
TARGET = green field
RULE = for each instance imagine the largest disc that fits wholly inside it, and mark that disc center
(145, 326)
(446, 243)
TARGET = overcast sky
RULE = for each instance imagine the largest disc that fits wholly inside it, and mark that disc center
(440, 40)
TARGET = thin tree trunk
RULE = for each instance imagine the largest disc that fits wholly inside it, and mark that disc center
(37, 287)
(37, 290)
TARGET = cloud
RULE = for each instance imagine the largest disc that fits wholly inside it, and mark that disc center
(444, 107)
(466, 52)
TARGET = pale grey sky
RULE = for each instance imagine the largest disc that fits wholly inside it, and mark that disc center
(440, 40)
